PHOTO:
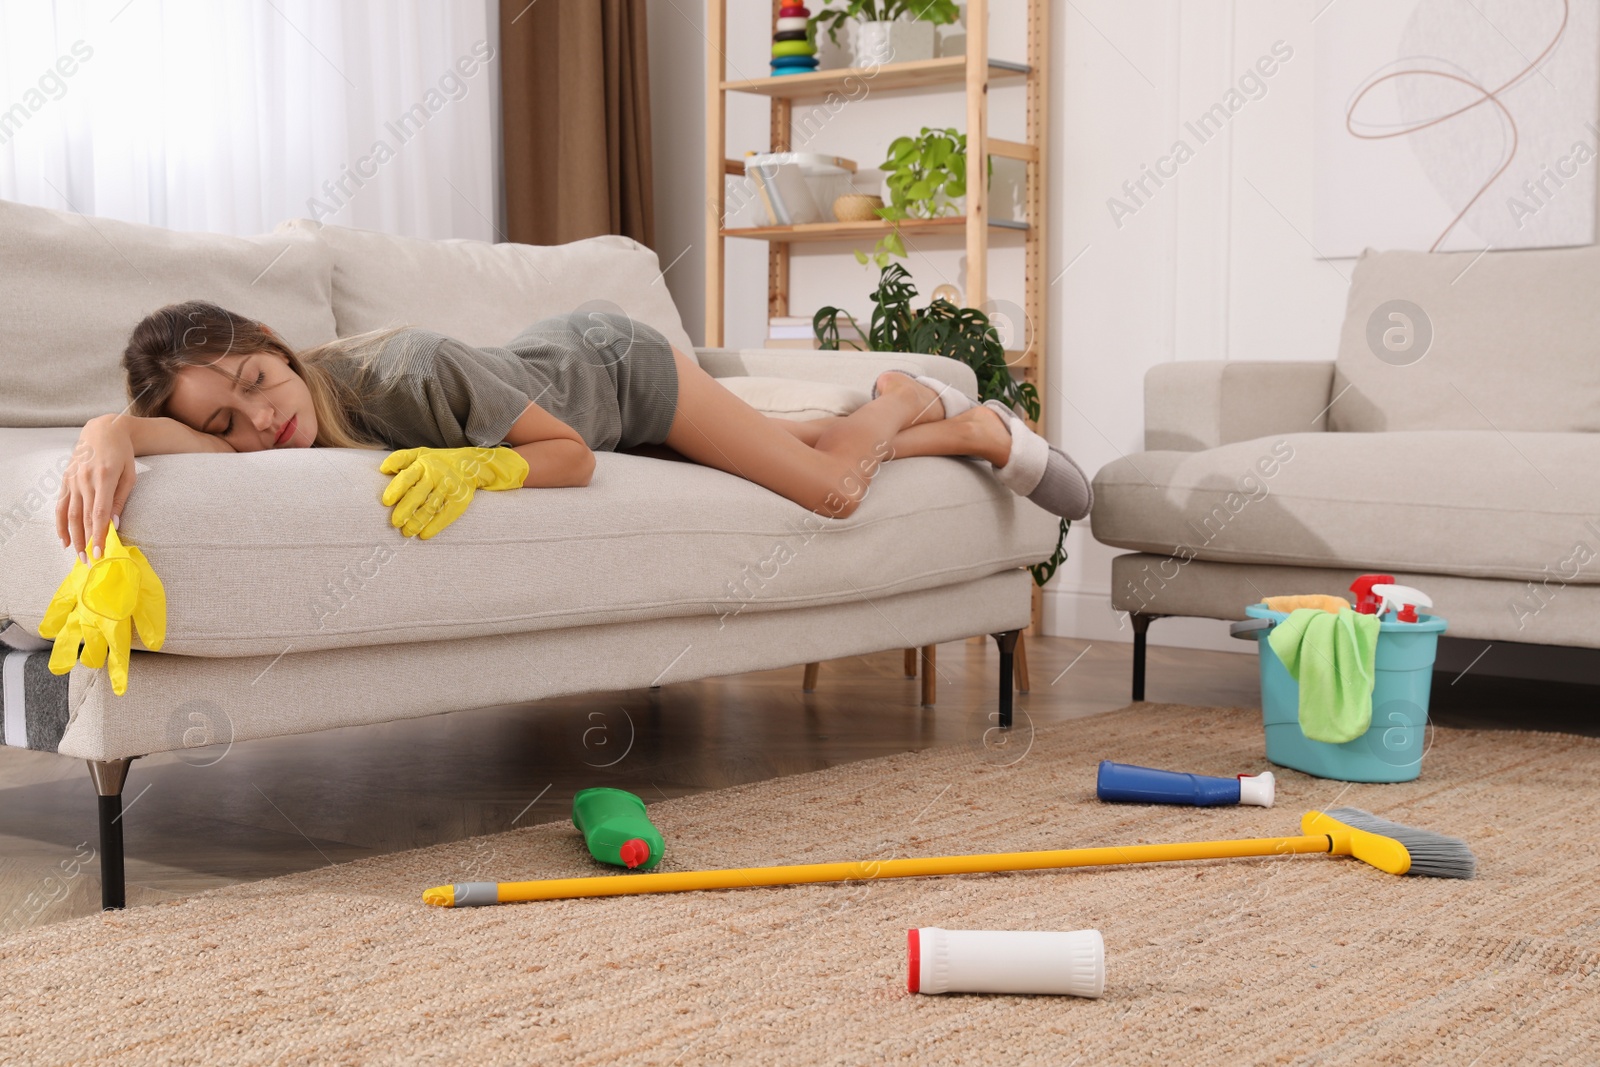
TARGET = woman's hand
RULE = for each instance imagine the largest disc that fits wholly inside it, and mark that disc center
(432, 487)
(95, 486)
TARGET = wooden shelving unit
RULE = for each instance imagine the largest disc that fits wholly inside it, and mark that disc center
(975, 70)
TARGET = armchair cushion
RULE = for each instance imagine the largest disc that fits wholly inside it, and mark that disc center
(1510, 342)
(1192, 405)
(1466, 502)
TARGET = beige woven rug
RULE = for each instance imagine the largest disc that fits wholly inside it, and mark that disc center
(1305, 959)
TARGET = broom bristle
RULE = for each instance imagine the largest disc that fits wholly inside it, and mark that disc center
(1434, 855)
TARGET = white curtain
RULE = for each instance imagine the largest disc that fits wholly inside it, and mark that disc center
(232, 115)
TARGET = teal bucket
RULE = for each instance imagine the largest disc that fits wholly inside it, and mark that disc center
(1392, 748)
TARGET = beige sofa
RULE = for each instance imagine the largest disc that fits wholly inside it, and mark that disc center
(1453, 444)
(293, 606)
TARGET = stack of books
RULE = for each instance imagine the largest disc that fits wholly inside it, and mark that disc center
(795, 331)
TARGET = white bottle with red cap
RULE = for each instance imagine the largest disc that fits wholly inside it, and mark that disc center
(1006, 961)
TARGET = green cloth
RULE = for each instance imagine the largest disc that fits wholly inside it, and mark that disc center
(1331, 656)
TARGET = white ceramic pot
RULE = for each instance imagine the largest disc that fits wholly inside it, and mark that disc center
(897, 41)
(953, 38)
(832, 56)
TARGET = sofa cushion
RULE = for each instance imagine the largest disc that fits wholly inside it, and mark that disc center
(795, 398)
(1464, 502)
(291, 549)
(851, 368)
(75, 287)
(1454, 341)
(485, 293)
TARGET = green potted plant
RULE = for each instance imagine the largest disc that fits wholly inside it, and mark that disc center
(927, 174)
(888, 30)
(942, 329)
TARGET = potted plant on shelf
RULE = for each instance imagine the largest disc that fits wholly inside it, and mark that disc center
(927, 175)
(942, 329)
(882, 34)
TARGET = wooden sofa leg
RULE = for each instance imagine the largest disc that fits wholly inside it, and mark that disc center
(911, 663)
(1141, 624)
(1022, 663)
(1007, 640)
(808, 684)
(108, 777)
(929, 680)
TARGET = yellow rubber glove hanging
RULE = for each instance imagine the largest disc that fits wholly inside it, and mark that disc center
(98, 604)
(433, 486)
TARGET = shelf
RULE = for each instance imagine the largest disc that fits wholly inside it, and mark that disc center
(917, 74)
(831, 231)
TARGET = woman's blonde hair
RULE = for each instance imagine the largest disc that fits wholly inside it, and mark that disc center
(193, 333)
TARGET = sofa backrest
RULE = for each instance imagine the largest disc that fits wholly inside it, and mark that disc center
(72, 288)
(484, 293)
(1471, 341)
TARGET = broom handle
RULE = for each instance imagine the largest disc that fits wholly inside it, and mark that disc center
(738, 878)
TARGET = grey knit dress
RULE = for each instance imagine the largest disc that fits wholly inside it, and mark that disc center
(610, 377)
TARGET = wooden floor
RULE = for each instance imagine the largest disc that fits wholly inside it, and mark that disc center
(215, 816)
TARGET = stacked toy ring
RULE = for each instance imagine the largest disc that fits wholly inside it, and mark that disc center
(793, 50)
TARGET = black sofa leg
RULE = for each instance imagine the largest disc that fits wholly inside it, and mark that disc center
(1007, 640)
(108, 777)
(1141, 624)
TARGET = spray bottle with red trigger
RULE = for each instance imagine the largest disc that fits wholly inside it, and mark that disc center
(1367, 602)
(1377, 594)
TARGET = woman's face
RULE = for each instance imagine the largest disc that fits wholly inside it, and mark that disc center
(268, 406)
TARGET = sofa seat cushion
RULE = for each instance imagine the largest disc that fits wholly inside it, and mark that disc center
(1463, 502)
(484, 293)
(291, 549)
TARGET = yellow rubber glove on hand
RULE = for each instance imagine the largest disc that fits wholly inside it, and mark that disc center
(95, 604)
(433, 486)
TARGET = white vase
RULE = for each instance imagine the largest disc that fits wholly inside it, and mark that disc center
(896, 41)
(832, 56)
(953, 37)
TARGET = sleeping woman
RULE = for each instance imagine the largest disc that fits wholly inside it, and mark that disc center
(455, 418)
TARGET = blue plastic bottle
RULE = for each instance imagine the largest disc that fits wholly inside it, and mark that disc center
(1146, 785)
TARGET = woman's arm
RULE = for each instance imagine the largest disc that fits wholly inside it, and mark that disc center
(101, 475)
(556, 454)
(161, 436)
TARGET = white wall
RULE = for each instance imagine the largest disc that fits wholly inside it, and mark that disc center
(1214, 264)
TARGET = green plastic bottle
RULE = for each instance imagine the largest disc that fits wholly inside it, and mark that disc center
(616, 829)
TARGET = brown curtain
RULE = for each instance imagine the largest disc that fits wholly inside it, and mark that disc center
(575, 111)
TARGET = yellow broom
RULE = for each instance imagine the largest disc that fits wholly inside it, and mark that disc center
(1388, 846)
